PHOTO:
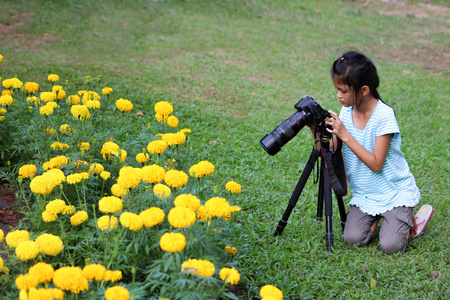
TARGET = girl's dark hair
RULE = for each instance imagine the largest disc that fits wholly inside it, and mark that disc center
(356, 70)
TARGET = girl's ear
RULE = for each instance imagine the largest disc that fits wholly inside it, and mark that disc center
(365, 90)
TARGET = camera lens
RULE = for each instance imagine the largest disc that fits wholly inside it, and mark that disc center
(289, 128)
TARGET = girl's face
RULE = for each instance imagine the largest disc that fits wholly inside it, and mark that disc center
(345, 94)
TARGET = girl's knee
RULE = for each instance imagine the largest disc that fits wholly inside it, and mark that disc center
(356, 237)
(393, 245)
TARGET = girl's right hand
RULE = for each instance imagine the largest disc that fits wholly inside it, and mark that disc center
(338, 127)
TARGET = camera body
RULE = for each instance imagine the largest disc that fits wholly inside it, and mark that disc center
(308, 111)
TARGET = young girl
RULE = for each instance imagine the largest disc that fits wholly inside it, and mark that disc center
(377, 172)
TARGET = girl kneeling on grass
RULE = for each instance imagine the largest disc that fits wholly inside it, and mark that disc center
(377, 172)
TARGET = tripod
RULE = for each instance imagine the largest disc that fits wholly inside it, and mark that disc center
(330, 163)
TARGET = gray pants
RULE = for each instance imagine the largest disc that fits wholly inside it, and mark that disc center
(395, 224)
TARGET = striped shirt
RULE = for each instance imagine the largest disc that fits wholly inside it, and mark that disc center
(377, 192)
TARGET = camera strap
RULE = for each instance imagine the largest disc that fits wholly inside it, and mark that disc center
(334, 164)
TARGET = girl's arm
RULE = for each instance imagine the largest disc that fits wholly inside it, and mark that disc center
(375, 160)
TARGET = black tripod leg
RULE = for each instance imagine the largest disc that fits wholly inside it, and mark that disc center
(296, 194)
(342, 212)
(319, 213)
(328, 210)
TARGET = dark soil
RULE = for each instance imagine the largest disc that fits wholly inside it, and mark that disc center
(9, 212)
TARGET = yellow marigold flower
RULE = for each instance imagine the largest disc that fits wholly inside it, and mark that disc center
(230, 250)
(110, 204)
(161, 118)
(181, 217)
(185, 130)
(142, 157)
(46, 110)
(118, 191)
(152, 216)
(50, 131)
(69, 209)
(131, 221)
(2, 111)
(218, 207)
(124, 105)
(70, 279)
(57, 162)
(56, 206)
(105, 175)
(74, 178)
(42, 293)
(172, 121)
(157, 147)
(56, 88)
(16, 83)
(90, 95)
(27, 250)
(161, 190)
(52, 104)
(270, 290)
(94, 272)
(96, 168)
(47, 96)
(33, 99)
(84, 146)
(107, 90)
(113, 276)
(107, 223)
(65, 129)
(49, 244)
(230, 275)
(129, 174)
(14, 238)
(176, 179)
(7, 83)
(43, 271)
(174, 138)
(2, 235)
(1, 59)
(201, 169)
(41, 185)
(25, 282)
(7, 92)
(129, 177)
(78, 218)
(6, 100)
(59, 94)
(73, 100)
(27, 170)
(53, 77)
(31, 87)
(233, 187)
(172, 242)
(93, 104)
(202, 214)
(108, 148)
(163, 108)
(199, 267)
(49, 217)
(121, 154)
(117, 293)
(188, 201)
(81, 112)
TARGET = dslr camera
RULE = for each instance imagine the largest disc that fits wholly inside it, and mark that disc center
(308, 111)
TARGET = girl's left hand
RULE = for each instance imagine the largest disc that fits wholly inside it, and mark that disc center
(338, 127)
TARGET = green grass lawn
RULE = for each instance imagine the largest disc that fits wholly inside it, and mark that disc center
(234, 70)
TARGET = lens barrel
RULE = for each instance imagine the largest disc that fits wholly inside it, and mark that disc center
(289, 128)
